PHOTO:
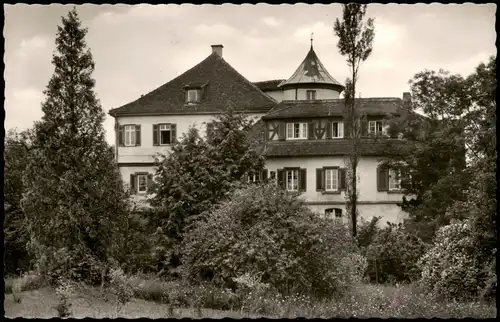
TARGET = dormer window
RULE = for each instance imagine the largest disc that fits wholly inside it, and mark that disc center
(311, 94)
(193, 95)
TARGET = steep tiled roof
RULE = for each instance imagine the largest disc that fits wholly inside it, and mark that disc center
(334, 107)
(221, 86)
(270, 85)
(311, 70)
(325, 147)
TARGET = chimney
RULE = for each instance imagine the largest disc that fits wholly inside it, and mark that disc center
(217, 49)
(406, 99)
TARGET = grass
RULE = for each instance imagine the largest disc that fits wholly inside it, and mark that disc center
(153, 298)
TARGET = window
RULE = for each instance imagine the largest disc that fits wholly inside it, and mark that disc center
(311, 94)
(193, 95)
(254, 177)
(335, 214)
(377, 128)
(142, 183)
(331, 179)
(129, 135)
(394, 179)
(272, 175)
(292, 180)
(296, 130)
(165, 134)
(337, 130)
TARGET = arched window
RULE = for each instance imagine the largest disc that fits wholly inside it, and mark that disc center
(334, 214)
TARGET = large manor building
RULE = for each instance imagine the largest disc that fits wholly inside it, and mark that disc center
(299, 121)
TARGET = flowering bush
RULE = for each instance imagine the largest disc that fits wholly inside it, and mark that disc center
(393, 255)
(266, 232)
(450, 268)
(64, 291)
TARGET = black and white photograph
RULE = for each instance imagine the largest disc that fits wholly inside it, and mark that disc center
(250, 160)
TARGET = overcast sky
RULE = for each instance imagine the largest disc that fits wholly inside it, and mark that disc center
(138, 48)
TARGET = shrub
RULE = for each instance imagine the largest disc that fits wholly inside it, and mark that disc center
(266, 232)
(64, 291)
(16, 290)
(393, 255)
(451, 268)
(121, 287)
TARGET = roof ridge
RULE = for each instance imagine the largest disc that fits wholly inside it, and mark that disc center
(272, 100)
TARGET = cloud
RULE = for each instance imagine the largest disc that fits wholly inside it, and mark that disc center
(217, 30)
(387, 34)
(271, 21)
(22, 107)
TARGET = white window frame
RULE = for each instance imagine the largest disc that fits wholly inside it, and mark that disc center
(129, 133)
(340, 130)
(311, 94)
(253, 177)
(379, 128)
(164, 127)
(394, 185)
(196, 98)
(331, 179)
(292, 128)
(292, 180)
(139, 185)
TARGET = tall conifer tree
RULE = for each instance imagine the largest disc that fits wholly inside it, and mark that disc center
(74, 196)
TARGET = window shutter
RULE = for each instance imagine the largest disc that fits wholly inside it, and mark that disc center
(156, 134)
(264, 175)
(347, 129)
(310, 130)
(133, 179)
(282, 131)
(137, 135)
(328, 130)
(281, 178)
(173, 133)
(121, 135)
(320, 180)
(150, 180)
(382, 178)
(210, 129)
(342, 179)
(364, 127)
(341, 129)
(302, 179)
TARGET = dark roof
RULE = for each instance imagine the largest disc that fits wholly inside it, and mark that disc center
(270, 85)
(369, 147)
(221, 86)
(334, 107)
(311, 70)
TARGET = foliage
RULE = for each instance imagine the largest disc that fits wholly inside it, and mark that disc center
(451, 267)
(393, 255)
(458, 132)
(16, 154)
(355, 42)
(367, 232)
(199, 173)
(266, 232)
(64, 291)
(74, 198)
(121, 287)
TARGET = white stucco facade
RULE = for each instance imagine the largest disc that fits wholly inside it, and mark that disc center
(146, 151)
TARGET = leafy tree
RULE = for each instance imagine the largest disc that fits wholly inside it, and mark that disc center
(355, 42)
(199, 173)
(16, 155)
(450, 147)
(74, 198)
(262, 231)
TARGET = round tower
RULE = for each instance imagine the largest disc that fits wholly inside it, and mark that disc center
(311, 81)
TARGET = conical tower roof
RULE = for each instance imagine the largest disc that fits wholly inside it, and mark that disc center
(311, 71)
